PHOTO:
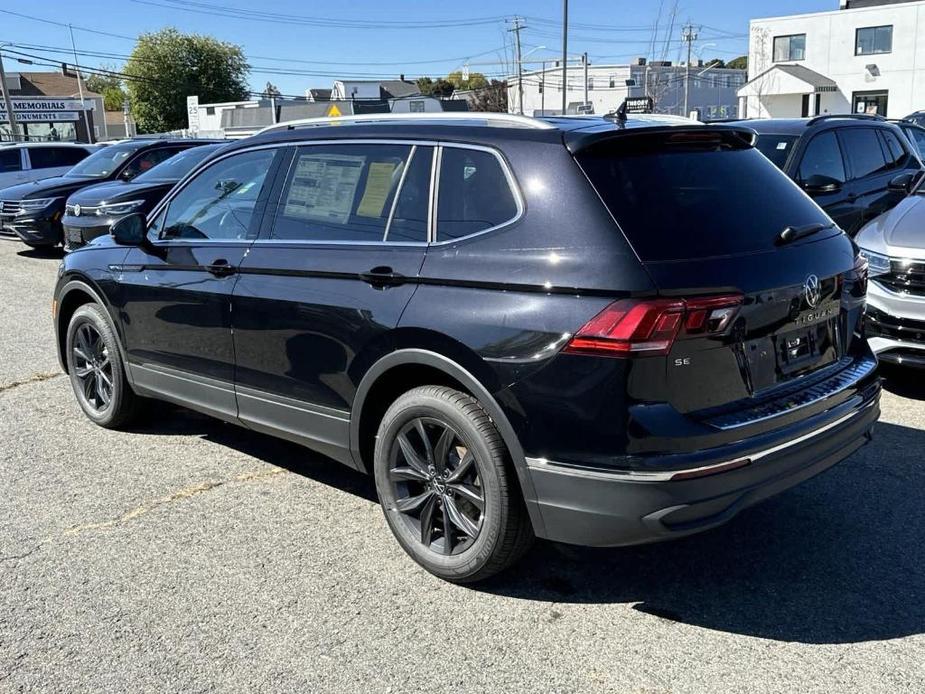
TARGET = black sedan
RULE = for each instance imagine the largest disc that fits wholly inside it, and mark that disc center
(90, 212)
(33, 211)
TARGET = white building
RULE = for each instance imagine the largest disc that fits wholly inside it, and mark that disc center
(866, 57)
(712, 90)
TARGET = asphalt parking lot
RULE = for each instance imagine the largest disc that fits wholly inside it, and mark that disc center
(190, 555)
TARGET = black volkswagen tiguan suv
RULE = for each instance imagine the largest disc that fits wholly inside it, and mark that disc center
(601, 332)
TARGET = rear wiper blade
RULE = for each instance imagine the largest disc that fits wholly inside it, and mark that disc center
(793, 233)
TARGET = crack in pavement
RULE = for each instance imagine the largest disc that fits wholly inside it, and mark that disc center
(34, 378)
(147, 507)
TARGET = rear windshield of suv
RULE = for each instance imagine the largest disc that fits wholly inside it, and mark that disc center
(680, 196)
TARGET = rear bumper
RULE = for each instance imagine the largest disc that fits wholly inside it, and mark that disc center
(608, 508)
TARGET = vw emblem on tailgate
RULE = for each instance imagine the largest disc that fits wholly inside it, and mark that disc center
(76, 210)
(812, 291)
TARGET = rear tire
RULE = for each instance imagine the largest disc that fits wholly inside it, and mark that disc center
(96, 371)
(446, 488)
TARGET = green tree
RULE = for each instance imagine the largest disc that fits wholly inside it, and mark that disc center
(715, 63)
(740, 63)
(167, 66)
(110, 86)
(439, 87)
(476, 80)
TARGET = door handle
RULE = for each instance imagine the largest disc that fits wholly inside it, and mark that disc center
(382, 276)
(851, 197)
(220, 268)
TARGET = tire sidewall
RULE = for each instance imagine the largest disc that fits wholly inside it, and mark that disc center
(92, 314)
(406, 408)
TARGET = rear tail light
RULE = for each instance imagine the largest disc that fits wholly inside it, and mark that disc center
(631, 328)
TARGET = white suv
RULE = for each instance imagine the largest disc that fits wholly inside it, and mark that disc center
(21, 163)
(894, 245)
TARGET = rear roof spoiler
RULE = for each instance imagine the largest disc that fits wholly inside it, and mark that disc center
(580, 140)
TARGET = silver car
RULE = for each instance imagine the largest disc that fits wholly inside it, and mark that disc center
(894, 246)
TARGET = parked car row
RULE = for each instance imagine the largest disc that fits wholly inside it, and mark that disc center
(600, 331)
(33, 211)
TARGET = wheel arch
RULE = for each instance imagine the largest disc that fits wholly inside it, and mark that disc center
(73, 294)
(446, 371)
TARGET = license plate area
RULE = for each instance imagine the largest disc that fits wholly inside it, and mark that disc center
(808, 346)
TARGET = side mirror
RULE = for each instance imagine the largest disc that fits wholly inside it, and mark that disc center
(818, 184)
(902, 183)
(130, 230)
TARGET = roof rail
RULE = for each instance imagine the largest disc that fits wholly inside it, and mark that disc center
(857, 116)
(499, 119)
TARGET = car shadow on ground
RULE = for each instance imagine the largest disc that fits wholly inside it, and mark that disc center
(838, 559)
(904, 381)
(52, 253)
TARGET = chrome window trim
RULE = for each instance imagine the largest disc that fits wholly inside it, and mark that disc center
(432, 198)
(401, 185)
(512, 186)
(433, 204)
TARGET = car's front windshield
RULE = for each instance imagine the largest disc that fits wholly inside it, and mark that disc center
(177, 166)
(103, 163)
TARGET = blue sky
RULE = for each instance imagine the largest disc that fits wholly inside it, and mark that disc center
(386, 37)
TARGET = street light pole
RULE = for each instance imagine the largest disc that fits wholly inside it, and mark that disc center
(14, 126)
(80, 87)
(564, 55)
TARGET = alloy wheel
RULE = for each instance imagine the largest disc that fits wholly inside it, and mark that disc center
(92, 367)
(436, 485)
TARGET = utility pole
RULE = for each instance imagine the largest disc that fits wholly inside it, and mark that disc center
(80, 87)
(688, 35)
(520, 64)
(14, 126)
(543, 90)
(584, 62)
(564, 55)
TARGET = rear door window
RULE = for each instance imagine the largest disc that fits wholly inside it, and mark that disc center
(10, 160)
(55, 157)
(864, 151)
(823, 157)
(350, 192)
(473, 195)
(687, 196)
(896, 154)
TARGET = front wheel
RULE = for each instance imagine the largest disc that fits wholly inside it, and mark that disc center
(446, 488)
(95, 368)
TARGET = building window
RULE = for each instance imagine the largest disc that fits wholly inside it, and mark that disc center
(590, 83)
(210, 110)
(871, 40)
(791, 47)
(613, 81)
(417, 107)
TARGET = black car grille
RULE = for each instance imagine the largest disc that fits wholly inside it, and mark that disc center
(9, 206)
(904, 277)
(880, 324)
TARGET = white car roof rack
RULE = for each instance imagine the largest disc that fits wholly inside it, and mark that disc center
(497, 119)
